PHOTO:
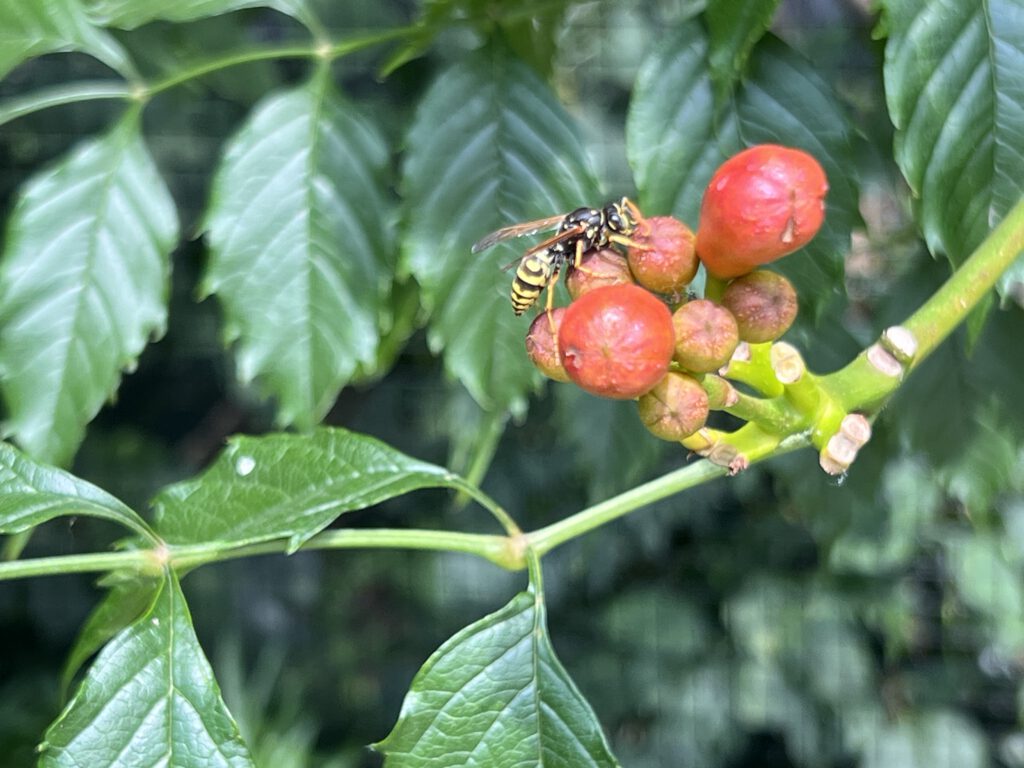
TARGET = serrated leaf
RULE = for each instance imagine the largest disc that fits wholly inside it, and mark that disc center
(733, 30)
(297, 229)
(30, 29)
(149, 699)
(676, 138)
(83, 286)
(495, 694)
(129, 14)
(490, 146)
(277, 486)
(32, 493)
(954, 83)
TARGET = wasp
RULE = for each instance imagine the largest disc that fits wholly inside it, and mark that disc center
(580, 231)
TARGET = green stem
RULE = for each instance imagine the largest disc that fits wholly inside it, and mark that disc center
(231, 60)
(496, 549)
(497, 511)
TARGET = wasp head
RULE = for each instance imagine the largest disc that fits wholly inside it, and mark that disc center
(622, 216)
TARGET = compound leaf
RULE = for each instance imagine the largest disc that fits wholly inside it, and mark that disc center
(676, 138)
(128, 14)
(495, 694)
(30, 29)
(954, 82)
(733, 31)
(83, 286)
(299, 246)
(490, 146)
(150, 696)
(32, 493)
(263, 488)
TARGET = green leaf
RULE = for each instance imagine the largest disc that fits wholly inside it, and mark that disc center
(733, 31)
(299, 244)
(33, 28)
(263, 488)
(489, 146)
(676, 138)
(122, 605)
(128, 14)
(32, 493)
(149, 695)
(927, 740)
(987, 581)
(83, 285)
(496, 695)
(954, 83)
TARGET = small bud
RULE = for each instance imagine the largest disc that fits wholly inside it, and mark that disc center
(597, 268)
(706, 335)
(676, 407)
(666, 262)
(787, 363)
(856, 428)
(883, 361)
(900, 343)
(763, 303)
(616, 341)
(542, 344)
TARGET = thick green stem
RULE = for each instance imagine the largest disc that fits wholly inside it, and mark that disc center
(862, 386)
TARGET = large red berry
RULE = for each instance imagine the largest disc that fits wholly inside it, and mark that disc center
(761, 204)
(666, 261)
(616, 341)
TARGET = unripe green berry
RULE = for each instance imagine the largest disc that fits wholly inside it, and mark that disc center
(706, 335)
(597, 268)
(764, 304)
(665, 261)
(675, 408)
(542, 344)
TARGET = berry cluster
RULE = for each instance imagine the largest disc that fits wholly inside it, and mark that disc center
(632, 331)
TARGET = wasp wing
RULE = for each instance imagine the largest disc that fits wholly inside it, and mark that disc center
(517, 230)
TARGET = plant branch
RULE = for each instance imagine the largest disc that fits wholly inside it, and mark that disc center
(861, 386)
(496, 549)
(545, 539)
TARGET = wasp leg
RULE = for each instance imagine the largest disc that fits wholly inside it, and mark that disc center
(629, 243)
(577, 261)
(549, 303)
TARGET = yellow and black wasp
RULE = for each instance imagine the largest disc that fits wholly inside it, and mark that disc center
(580, 231)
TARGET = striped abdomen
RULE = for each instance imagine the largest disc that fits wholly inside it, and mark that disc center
(534, 273)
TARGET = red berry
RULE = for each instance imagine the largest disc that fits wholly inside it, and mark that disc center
(668, 262)
(616, 341)
(761, 204)
(706, 335)
(542, 346)
(763, 303)
(676, 407)
(597, 268)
